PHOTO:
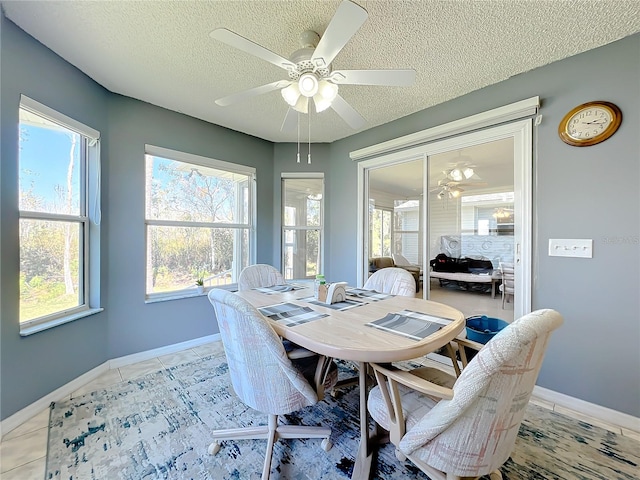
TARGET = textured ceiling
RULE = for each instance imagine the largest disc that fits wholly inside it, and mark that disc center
(161, 52)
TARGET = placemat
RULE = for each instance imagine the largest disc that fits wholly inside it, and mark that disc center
(290, 314)
(410, 324)
(370, 295)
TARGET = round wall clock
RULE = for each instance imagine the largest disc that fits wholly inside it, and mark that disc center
(590, 123)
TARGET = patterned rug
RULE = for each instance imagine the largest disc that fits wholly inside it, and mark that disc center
(157, 427)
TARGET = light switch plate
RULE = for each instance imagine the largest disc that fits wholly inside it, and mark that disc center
(571, 247)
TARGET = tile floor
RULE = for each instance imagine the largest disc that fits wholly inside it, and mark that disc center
(471, 303)
(23, 450)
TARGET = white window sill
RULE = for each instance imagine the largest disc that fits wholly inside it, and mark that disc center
(39, 327)
(167, 297)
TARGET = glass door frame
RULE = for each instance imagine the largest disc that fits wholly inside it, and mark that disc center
(521, 132)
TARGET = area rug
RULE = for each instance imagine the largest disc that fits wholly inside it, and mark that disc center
(157, 427)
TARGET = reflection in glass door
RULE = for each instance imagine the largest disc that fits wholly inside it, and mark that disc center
(471, 227)
(395, 211)
(477, 202)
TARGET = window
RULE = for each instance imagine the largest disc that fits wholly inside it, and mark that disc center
(302, 224)
(488, 214)
(406, 235)
(199, 221)
(380, 234)
(59, 233)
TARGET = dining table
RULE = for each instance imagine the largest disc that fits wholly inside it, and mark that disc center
(366, 327)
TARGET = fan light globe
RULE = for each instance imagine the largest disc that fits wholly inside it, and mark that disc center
(455, 192)
(327, 92)
(456, 174)
(468, 173)
(308, 85)
(302, 105)
(291, 94)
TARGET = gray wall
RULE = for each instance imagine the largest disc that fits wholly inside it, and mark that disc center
(133, 325)
(589, 192)
(34, 366)
(579, 193)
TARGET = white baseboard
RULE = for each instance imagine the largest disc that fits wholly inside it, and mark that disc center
(157, 352)
(604, 414)
(66, 390)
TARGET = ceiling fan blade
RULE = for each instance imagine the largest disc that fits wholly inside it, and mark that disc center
(348, 113)
(394, 78)
(289, 122)
(345, 23)
(252, 92)
(237, 41)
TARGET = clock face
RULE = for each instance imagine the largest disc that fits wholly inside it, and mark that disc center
(590, 123)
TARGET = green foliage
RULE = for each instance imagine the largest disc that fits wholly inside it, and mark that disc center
(36, 282)
(181, 254)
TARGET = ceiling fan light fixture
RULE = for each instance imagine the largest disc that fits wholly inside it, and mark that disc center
(291, 94)
(455, 192)
(456, 174)
(468, 173)
(308, 84)
(302, 105)
(327, 92)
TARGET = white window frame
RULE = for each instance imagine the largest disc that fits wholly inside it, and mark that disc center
(199, 160)
(302, 175)
(89, 220)
(391, 229)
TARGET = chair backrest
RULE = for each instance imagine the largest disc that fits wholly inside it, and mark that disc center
(401, 260)
(261, 373)
(259, 275)
(392, 280)
(508, 277)
(475, 432)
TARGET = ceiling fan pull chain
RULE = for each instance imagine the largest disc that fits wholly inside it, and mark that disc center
(298, 156)
(309, 154)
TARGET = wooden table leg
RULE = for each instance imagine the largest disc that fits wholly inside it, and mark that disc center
(364, 458)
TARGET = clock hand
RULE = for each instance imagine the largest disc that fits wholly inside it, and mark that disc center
(594, 123)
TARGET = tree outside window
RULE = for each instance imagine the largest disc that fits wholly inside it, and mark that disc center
(198, 221)
(54, 220)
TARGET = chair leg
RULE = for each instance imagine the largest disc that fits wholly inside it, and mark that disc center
(271, 432)
(273, 436)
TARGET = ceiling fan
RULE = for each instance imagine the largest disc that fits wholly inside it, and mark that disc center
(309, 69)
(448, 188)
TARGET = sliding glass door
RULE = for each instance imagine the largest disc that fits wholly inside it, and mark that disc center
(464, 197)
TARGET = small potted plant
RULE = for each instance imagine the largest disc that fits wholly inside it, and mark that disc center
(200, 284)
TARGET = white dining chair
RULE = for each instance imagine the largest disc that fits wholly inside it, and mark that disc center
(466, 427)
(265, 378)
(259, 275)
(393, 281)
(508, 285)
